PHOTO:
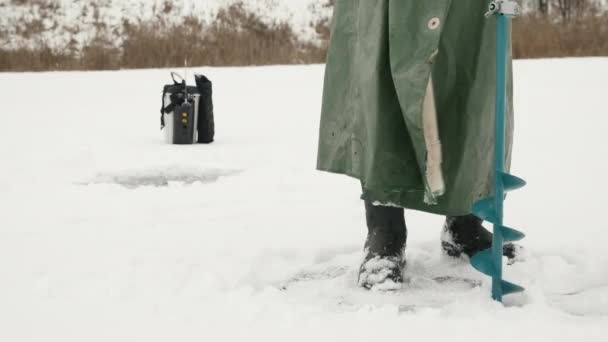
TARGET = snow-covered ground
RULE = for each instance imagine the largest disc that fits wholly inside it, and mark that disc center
(246, 241)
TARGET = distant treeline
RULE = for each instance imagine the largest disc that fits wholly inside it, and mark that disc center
(235, 37)
(541, 36)
(561, 28)
(552, 28)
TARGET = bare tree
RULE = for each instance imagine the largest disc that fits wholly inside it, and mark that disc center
(543, 6)
(569, 9)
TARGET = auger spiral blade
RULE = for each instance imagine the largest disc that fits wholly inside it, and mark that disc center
(484, 263)
(511, 183)
(508, 288)
(510, 234)
(484, 209)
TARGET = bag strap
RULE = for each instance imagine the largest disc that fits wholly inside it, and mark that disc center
(171, 106)
(173, 75)
(162, 110)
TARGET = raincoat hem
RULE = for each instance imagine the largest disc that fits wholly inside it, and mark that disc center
(407, 199)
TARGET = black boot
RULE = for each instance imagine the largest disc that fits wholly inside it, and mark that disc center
(466, 234)
(384, 259)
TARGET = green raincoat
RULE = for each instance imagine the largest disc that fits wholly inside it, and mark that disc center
(408, 102)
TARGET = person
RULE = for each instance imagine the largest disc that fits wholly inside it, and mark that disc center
(408, 109)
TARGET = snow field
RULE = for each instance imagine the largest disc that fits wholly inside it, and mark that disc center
(91, 249)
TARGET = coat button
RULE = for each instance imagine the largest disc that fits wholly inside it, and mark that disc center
(434, 23)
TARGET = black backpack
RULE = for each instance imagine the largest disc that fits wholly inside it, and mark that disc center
(190, 109)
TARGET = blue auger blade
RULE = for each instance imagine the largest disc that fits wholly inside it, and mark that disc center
(484, 209)
(510, 234)
(508, 288)
(483, 262)
(511, 182)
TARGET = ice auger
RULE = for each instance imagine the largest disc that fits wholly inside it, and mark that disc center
(490, 209)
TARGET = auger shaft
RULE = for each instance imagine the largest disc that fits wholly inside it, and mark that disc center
(491, 209)
(499, 152)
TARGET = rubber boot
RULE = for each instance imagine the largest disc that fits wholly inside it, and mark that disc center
(384, 259)
(466, 234)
